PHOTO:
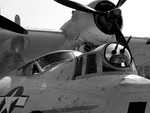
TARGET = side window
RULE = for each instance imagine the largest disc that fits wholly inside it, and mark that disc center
(79, 63)
(91, 65)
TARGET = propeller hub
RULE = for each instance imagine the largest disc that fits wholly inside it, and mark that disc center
(113, 14)
(105, 22)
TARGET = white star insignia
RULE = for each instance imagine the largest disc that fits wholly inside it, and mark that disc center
(13, 99)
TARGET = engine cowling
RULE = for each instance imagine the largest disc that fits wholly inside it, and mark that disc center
(93, 28)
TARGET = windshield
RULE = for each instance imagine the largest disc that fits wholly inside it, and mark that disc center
(47, 60)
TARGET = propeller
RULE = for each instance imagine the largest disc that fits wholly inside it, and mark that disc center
(110, 15)
(78, 6)
(88, 9)
(9, 25)
(85, 8)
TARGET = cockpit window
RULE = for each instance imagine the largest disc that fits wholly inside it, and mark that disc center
(47, 60)
(91, 65)
(116, 56)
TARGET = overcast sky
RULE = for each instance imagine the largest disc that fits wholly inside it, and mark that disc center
(51, 15)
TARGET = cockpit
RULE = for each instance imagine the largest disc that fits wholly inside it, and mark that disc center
(53, 59)
(48, 61)
(117, 55)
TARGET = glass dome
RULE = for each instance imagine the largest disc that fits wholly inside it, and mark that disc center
(116, 56)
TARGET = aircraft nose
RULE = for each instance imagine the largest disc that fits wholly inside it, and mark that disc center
(134, 83)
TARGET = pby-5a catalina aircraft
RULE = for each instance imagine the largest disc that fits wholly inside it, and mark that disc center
(67, 81)
(90, 26)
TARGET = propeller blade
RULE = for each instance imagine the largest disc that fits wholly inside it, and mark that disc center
(119, 36)
(78, 6)
(9, 25)
(126, 45)
(120, 2)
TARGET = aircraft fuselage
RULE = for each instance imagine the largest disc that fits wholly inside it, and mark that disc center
(75, 86)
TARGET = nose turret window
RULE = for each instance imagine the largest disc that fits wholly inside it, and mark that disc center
(117, 55)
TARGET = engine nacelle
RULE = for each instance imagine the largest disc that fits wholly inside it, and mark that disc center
(92, 28)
